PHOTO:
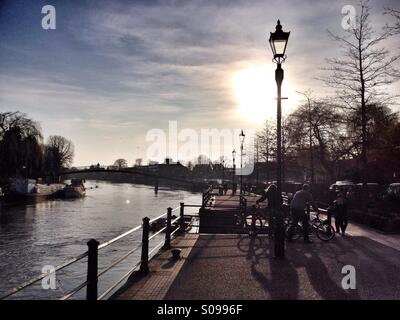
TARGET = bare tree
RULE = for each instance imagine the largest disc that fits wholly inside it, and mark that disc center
(121, 163)
(394, 28)
(59, 153)
(363, 71)
(330, 140)
(28, 127)
(266, 144)
(20, 145)
(266, 141)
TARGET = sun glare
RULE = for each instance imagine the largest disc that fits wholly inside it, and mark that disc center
(255, 92)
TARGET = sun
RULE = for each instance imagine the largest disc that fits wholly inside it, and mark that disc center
(255, 92)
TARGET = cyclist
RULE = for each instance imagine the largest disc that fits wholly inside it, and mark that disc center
(299, 202)
(274, 203)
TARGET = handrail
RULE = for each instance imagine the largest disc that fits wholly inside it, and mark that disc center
(105, 244)
(155, 248)
(117, 261)
(118, 282)
(162, 215)
(73, 291)
(176, 230)
(149, 253)
(156, 218)
(157, 233)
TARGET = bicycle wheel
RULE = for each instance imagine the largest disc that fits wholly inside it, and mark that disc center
(325, 232)
(295, 230)
(254, 224)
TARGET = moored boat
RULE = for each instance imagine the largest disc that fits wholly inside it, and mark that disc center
(75, 190)
(20, 188)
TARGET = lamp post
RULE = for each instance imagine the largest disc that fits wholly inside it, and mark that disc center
(234, 171)
(241, 137)
(223, 170)
(278, 41)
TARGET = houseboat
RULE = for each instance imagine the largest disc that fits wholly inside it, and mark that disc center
(31, 189)
(75, 190)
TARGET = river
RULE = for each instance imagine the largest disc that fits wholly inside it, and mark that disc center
(51, 232)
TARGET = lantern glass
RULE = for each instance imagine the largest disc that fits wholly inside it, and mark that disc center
(280, 46)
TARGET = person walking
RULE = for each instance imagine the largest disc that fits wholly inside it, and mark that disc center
(234, 188)
(339, 207)
(300, 200)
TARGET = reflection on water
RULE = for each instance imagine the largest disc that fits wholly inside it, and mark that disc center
(51, 232)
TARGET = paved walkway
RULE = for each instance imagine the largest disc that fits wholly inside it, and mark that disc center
(238, 267)
(163, 271)
(220, 202)
(216, 266)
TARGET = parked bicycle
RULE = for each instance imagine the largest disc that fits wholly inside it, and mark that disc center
(322, 229)
(254, 221)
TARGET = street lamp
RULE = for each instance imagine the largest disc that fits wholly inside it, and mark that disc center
(223, 170)
(234, 171)
(278, 41)
(241, 137)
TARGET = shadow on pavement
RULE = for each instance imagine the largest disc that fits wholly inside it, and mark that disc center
(240, 267)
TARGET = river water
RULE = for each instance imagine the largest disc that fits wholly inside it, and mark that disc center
(51, 232)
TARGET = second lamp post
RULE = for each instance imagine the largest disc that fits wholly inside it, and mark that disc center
(241, 137)
(278, 41)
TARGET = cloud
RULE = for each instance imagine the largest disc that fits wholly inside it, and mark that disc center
(115, 69)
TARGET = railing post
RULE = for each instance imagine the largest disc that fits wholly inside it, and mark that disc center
(91, 288)
(181, 219)
(167, 243)
(144, 265)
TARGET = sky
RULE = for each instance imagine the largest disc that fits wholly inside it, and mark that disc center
(112, 71)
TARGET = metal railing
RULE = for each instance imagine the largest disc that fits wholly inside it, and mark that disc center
(206, 197)
(172, 226)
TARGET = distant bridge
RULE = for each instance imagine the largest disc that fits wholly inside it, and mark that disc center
(131, 171)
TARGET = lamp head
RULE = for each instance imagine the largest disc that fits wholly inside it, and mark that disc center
(278, 41)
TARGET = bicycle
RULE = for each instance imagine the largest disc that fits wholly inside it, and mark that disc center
(322, 229)
(254, 222)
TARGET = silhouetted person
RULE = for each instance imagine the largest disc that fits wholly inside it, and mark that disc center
(300, 200)
(234, 188)
(339, 207)
(274, 203)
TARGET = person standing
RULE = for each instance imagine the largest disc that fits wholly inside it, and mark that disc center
(300, 200)
(339, 208)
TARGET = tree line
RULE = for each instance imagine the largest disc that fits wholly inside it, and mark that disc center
(23, 152)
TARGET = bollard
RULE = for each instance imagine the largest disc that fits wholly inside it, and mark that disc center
(144, 265)
(91, 288)
(167, 243)
(181, 220)
(176, 253)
